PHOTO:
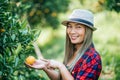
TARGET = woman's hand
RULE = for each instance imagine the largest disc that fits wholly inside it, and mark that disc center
(39, 64)
(45, 64)
(54, 64)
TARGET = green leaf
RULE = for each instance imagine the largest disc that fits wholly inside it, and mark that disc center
(4, 39)
(19, 48)
(16, 61)
(1, 56)
(10, 68)
(24, 24)
(0, 73)
(13, 37)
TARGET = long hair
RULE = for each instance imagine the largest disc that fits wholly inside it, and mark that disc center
(69, 48)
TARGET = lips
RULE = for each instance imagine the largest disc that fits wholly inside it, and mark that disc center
(74, 37)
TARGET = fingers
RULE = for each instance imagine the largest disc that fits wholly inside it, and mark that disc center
(55, 64)
(45, 60)
(43, 63)
(28, 65)
(38, 64)
(51, 64)
(35, 66)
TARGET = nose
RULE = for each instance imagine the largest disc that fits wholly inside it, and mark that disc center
(72, 30)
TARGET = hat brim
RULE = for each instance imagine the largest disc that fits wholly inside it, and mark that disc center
(67, 21)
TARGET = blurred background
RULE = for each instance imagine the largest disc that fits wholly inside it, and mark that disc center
(26, 21)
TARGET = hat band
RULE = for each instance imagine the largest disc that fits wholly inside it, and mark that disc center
(81, 20)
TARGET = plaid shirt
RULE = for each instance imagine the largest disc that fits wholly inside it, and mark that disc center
(88, 66)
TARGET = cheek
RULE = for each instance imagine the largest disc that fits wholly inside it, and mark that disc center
(82, 34)
(67, 32)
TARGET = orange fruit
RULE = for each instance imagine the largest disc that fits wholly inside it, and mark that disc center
(2, 30)
(30, 60)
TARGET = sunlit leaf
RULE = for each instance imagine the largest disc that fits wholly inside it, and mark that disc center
(13, 37)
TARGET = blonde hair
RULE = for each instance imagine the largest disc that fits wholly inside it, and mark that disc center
(69, 48)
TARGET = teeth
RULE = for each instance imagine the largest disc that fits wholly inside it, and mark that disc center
(74, 36)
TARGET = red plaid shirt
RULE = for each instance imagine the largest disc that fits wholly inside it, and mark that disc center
(89, 65)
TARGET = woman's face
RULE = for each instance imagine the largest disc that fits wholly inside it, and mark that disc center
(76, 32)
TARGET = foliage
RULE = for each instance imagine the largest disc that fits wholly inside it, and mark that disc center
(16, 44)
(117, 66)
(54, 48)
(107, 43)
(113, 5)
(110, 5)
(101, 5)
(45, 12)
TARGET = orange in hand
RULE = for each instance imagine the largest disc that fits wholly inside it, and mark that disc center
(30, 60)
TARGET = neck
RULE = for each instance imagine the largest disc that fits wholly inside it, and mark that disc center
(78, 46)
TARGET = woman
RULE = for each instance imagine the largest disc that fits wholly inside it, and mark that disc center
(81, 61)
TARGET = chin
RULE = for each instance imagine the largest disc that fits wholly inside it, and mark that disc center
(74, 42)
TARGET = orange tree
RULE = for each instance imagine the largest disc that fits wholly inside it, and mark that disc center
(109, 5)
(43, 12)
(113, 5)
(100, 5)
(15, 45)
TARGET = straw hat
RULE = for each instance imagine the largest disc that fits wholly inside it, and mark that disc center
(81, 16)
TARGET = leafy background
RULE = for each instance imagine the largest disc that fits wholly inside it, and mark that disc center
(23, 22)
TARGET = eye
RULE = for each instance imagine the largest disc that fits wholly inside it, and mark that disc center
(69, 26)
(78, 26)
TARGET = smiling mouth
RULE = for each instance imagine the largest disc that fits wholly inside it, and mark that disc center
(74, 37)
